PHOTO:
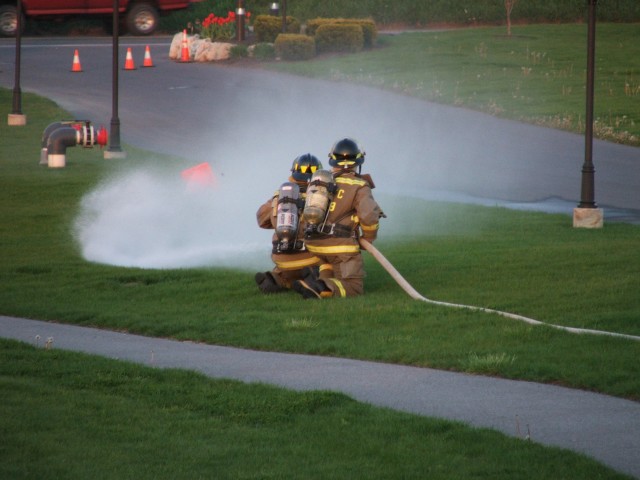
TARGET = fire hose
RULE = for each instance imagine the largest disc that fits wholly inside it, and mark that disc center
(413, 293)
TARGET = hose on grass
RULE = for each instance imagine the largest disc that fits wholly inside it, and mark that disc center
(413, 293)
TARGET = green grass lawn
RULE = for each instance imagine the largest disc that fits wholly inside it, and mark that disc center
(537, 75)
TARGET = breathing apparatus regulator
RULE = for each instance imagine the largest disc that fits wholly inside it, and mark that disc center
(320, 193)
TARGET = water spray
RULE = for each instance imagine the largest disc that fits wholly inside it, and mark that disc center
(413, 293)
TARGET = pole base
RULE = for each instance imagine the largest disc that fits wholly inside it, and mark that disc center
(588, 218)
(16, 119)
(112, 154)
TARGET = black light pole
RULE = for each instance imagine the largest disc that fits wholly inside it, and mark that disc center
(114, 150)
(588, 171)
(587, 214)
(16, 118)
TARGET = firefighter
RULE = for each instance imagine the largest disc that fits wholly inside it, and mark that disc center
(350, 213)
(282, 214)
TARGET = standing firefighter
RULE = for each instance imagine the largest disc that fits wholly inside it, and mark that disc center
(282, 214)
(339, 209)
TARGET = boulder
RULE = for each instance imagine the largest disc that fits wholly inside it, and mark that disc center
(208, 51)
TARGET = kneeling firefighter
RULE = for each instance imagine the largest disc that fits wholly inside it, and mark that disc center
(339, 209)
(282, 213)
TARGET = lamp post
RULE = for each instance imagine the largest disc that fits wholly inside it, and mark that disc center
(240, 13)
(587, 197)
(587, 214)
(16, 118)
(274, 9)
(114, 150)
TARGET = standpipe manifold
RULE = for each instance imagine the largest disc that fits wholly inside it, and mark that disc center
(60, 135)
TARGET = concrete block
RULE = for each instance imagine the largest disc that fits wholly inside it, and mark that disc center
(17, 120)
(588, 218)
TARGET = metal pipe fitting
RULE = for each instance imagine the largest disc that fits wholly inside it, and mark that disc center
(59, 140)
(49, 130)
(60, 135)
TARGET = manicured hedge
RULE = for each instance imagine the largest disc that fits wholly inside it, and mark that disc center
(339, 37)
(291, 46)
(369, 29)
(268, 27)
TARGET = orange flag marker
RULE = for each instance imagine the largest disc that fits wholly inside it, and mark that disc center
(199, 175)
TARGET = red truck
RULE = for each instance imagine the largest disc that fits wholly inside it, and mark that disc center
(140, 17)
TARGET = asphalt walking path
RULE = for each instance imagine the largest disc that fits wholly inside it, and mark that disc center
(600, 426)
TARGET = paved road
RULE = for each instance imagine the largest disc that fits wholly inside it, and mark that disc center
(245, 120)
(600, 426)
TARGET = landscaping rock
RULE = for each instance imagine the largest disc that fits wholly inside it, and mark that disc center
(208, 51)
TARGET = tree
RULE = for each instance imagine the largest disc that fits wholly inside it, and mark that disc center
(508, 5)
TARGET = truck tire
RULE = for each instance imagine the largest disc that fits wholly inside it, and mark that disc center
(9, 21)
(142, 19)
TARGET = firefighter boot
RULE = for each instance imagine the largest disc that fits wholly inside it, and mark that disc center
(310, 273)
(267, 283)
(311, 288)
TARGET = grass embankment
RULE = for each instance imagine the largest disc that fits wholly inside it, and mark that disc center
(537, 75)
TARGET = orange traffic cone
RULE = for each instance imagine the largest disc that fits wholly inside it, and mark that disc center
(76, 67)
(147, 58)
(128, 62)
(185, 57)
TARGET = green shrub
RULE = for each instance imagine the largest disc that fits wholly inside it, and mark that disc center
(268, 27)
(369, 29)
(264, 51)
(292, 46)
(239, 51)
(313, 24)
(336, 37)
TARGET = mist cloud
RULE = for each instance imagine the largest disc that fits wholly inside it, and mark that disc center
(152, 218)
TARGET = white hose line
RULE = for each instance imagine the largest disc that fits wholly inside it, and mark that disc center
(413, 293)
